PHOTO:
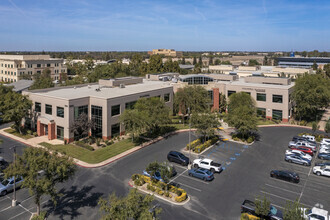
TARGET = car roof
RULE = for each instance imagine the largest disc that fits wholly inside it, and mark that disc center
(175, 152)
(207, 160)
(203, 169)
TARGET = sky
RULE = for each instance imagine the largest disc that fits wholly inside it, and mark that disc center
(183, 25)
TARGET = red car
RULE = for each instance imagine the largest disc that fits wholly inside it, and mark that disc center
(304, 149)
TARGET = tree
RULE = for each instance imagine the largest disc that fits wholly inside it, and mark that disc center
(315, 127)
(155, 64)
(193, 97)
(211, 60)
(205, 123)
(41, 171)
(227, 62)
(134, 206)
(293, 211)
(194, 61)
(164, 169)
(253, 63)
(81, 126)
(183, 61)
(326, 70)
(200, 61)
(134, 122)
(311, 93)
(314, 66)
(262, 206)
(43, 80)
(14, 106)
(222, 103)
(265, 63)
(327, 127)
(217, 62)
(242, 113)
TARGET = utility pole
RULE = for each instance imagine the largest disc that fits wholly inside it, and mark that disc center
(189, 165)
(14, 201)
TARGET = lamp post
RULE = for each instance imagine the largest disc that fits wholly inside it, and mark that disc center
(189, 165)
(14, 201)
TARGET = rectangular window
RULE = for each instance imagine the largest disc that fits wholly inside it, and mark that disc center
(167, 97)
(49, 109)
(278, 98)
(38, 65)
(59, 132)
(48, 64)
(115, 130)
(231, 92)
(261, 112)
(37, 106)
(277, 114)
(130, 105)
(261, 97)
(97, 118)
(144, 96)
(115, 110)
(79, 110)
(60, 112)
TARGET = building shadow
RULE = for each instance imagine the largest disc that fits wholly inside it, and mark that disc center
(71, 200)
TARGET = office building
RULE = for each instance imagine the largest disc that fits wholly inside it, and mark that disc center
(302, 62)
(13, 66)
(166, 52)
(103, 102)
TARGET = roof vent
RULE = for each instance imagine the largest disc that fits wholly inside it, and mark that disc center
(97, 89)
(89, 86)
(122, 86)
(74, 87)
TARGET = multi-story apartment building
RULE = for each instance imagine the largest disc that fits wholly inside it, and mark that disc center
(166, 52)
(13, 66)
(104, 102)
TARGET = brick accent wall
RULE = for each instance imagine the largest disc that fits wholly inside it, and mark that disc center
(51, 131)
(216, 96)
(69, 140)
(40, 128)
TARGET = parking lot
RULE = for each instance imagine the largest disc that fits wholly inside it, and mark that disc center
(246, 176)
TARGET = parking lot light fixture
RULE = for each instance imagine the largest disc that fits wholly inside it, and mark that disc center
(14, 201)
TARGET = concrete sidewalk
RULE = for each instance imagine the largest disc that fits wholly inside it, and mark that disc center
(324, 119)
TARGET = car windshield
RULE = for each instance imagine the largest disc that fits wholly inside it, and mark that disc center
(273, 210)
(5, 182)
(208, 172)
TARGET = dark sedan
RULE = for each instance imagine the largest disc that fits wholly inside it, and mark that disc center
(177, 157)
(285, 175)
(324, 156)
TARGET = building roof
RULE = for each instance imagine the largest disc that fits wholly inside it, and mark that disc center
(186, 66)
(77, 92)
(21, 85)
(193, 75)
(241, 82)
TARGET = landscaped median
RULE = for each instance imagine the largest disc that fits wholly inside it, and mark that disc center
(17, 134)
(159, 189)
(198, 147)
(88, 156)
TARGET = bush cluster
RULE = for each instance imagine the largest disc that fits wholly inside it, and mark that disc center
(238, 137)
(201, 147)
(194, 144)
(82, 144)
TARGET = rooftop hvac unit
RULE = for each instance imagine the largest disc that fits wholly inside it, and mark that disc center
(122, 86)
(233, 73)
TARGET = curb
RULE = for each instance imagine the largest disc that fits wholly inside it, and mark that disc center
(287, 125)
(160, 197)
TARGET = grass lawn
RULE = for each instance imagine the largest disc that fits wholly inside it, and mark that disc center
(92, 156)
(265, 122)
(14, 132)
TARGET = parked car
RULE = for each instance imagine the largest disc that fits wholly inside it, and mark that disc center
(325, 141)
(157, 174)
(324, 156)
(324, 146)
(309, 137)
(306, 150)
(292, 158)
(285, 175)
(3, 164)
(322, 170)
(299, 153)
(300, 138)
(324, 150)
(207, 164)
(249, 206)
(201, 173)
(177, 157)
(302, 143)
(322, 163)
(315, 214)
(7, 185)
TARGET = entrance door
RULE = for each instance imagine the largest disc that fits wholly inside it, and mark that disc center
(46, 129)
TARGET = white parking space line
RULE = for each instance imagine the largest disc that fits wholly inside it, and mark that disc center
(6, 208)
(198, 180)
(321, 184)
(178, 175)
(294, 184)
(278, 206)
(294, 170)
(176, 166)
(296, 165)
(17, 215)
(190, 187)
(3, 199)
(280, 197)
(24, 208)
(30, 197)
(282, 189)
(302, 191)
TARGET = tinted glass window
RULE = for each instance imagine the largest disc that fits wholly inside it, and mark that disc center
(37, 106)
(49, 109)
(278, 98)
(60, 112)
(115, 110)
(261, 97)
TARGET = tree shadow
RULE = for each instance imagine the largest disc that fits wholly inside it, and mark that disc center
(71, 201)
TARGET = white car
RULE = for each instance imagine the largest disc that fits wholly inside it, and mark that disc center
(302, 143)
(300, 153)
(322, 170)
(325, 141)
(309, 137)
(325, 150)
(207, 164)
(7, 185)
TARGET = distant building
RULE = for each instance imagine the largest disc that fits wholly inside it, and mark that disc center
(21, 85)
(302, 62)
(166, 52)
(13, 66)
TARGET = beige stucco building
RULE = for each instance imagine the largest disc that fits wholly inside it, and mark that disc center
(57, 108)
(166, 52)
(13, 66)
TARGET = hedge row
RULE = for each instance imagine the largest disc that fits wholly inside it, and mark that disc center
(160, 188)
(194, 144)
(201, 147)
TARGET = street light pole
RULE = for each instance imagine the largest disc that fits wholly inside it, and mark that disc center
(189, 139)
(14, 201)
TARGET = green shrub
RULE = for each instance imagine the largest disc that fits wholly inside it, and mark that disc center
(160, 192)
(250, 139)
(152, 188)
(35, 134)
(167, 194)
(98, 142)
(82, 144)
(135, 177)
(148, 187)
(139, 182)
(42, 216)
(178, 192)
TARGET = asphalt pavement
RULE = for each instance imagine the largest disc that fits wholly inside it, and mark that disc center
(246, 176)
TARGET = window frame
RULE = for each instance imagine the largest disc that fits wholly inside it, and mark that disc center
(261, 95)
(47, 109)
(277, 97)
(57, 112)
(114, 111)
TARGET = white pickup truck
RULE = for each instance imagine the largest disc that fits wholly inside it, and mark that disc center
(316, 214)
(207, 164)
